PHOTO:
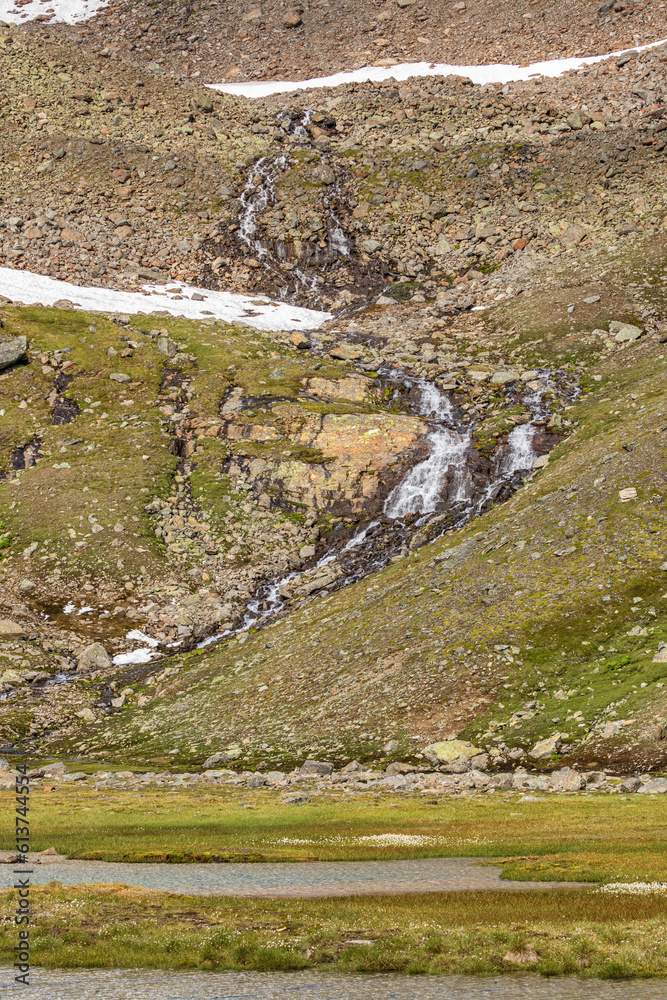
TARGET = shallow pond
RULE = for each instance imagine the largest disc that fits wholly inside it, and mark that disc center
(312, 878)
(48, 984)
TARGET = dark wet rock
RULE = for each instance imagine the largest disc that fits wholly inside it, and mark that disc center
(64, 410)
(25, 456)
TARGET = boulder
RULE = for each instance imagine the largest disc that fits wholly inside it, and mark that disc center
(94, 657)
(86, 714)
(504, 378)
(12, 677)
(11, 629)
(567, 780)
(534, 782)
(300, 341)
(12, 351)
(273, 777)
(354, 767)
(396, 767)
(323, 174)
(607, 730)
(316, 767)
(57, 769)
(656, 786)
(346, 352)
(450, 752)
(544, 749)
(573, 234)
(624, 332)
(166, 346)
(256, 780)
(222, 757)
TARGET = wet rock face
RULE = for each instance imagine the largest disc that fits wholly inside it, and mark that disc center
(369, 451)
(342, 463)
(354, 473)
(64, 411)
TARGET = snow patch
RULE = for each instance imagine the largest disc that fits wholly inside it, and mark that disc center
(137, 656)
(493, 73)
(142, 637)
(256, 311)
(67, 11)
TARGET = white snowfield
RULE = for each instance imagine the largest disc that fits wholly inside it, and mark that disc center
(494, 73)
(68, 11)
(174, 298)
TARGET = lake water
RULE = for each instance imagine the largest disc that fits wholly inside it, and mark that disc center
(136, 985)
(298, 879)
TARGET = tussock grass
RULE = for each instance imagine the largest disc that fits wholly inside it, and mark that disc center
(577, 932)
(563, 838)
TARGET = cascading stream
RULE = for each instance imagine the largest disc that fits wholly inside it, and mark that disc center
(443, 481)
(260, 192)
(256, 196)
(421, 490)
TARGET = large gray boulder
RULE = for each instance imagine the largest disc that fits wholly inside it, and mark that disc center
(12, 351)
(94, 657)
(316, 767)
(222, 757)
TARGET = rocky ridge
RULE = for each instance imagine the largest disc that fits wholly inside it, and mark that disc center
(249, 41)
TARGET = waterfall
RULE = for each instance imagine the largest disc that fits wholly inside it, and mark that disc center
(257, 194)
(520, 453)
(422, 489)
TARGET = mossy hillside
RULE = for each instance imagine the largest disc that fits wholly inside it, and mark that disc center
(89, 470)
(411, 652)
(628, 285)
(118, 452)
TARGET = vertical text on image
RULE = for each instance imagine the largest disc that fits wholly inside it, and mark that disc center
(23, 873)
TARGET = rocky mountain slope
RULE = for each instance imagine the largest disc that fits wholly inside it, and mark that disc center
(493, 259)
(235, 41)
